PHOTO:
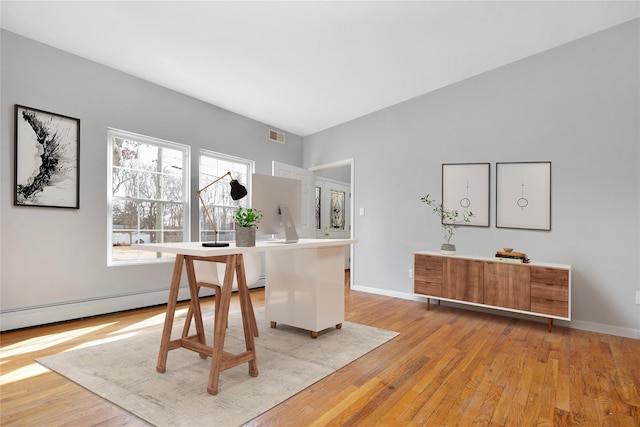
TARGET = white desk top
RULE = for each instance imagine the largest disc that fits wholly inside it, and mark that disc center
(196, 248)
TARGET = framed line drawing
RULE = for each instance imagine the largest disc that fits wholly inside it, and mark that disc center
(465, 187)
(47, 159)
(523, 195)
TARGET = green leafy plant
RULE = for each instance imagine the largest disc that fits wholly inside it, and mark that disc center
(247, 217)
(450, 219)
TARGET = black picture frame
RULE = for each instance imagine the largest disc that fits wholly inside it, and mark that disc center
(523, 195)
(465, 186)
(47, 159)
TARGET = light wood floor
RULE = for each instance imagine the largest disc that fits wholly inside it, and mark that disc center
(448, 366)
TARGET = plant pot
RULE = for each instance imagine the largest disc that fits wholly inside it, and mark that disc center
(448, 249)
(245, 236)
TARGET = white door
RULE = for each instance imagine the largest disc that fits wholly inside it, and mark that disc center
(306, 227)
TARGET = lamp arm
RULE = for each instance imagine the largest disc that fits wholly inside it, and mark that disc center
(213, 182)
(204, 205)
(206, 211)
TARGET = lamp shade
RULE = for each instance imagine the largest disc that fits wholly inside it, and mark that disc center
(238, 191)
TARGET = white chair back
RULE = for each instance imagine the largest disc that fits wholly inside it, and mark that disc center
(213, 272)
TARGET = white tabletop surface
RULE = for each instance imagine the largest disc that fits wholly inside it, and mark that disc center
(196, 248)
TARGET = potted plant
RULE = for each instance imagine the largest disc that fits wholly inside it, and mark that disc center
(450, 219)
(247, 220)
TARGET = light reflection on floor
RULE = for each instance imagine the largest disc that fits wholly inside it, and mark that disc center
(39, 345)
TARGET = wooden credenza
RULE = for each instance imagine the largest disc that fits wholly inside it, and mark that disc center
(538, 289)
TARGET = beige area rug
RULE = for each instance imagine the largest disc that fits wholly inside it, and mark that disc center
(123, 371)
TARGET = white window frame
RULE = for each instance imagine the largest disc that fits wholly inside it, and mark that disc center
(203, 180)
(146, 257)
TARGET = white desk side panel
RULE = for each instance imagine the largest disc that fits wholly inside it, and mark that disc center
(305, 288)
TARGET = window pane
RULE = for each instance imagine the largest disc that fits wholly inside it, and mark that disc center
(125, 153)
(148, 194)
(149, 216)
(172, 236)
(172, 188)
(171, 161)
(217, 197)
(124, 182)
(125, 215)
(148, 185)
(318, 207)
(148, 156)
(173, 216)
(337, 210)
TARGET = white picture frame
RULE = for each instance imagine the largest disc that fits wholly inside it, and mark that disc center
(523, 195)
(465, 187)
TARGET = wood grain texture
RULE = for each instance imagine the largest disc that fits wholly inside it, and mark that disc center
(428, 275)
(507, 285)
(463, 280)
(428, 262)
(549, 275)
(448, 366)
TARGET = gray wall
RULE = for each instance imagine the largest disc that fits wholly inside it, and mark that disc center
(341, 173)
(576, 106)
(54, 261)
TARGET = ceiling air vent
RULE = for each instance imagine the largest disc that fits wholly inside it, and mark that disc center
(276, 136)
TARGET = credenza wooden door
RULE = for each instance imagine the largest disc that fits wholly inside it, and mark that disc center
(507, 285)
(463, 280)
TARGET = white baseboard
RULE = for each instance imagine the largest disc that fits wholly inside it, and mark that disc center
(41, 315)
(605, 329)
(575, 324)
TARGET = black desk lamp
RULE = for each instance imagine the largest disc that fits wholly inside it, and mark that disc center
(238, 191)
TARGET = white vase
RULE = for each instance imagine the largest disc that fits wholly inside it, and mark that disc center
(448, 249)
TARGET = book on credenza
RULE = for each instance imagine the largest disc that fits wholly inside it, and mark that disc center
(511, 256)
(513, 260)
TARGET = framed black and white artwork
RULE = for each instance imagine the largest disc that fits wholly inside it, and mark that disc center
(47, 159)
(465, 187)
(523, 195)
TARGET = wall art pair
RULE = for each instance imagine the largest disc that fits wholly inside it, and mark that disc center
(523, 193)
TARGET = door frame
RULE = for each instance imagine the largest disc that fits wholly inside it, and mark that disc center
(341, 163)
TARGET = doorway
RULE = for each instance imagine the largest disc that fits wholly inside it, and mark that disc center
(334, 203)
(342, 170)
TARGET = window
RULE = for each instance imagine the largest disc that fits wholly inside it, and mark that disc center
(337, 210)
(219, 203)
(318, 208)
(148, 194)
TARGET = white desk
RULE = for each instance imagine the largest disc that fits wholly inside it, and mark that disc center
(269, 246)
(304, 286)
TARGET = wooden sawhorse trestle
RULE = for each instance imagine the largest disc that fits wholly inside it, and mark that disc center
(220, 360)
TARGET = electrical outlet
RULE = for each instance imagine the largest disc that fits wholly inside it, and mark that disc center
(637, 297)
(411, 273)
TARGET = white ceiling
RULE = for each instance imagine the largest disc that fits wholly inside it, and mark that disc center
(308, 65)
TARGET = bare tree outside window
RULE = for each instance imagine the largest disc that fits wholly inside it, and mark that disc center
(149, 199)
(217, 197)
